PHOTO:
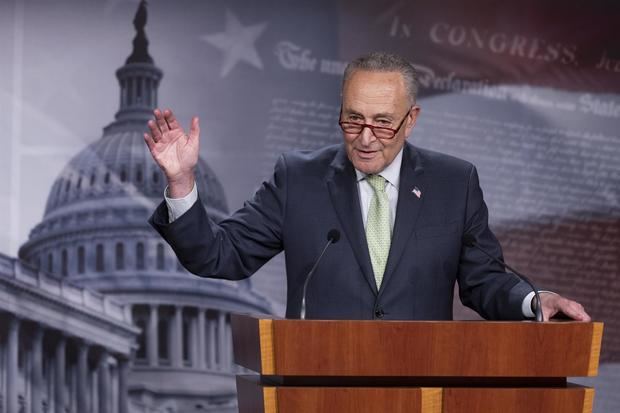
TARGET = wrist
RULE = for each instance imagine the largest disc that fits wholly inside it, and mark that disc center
(535, 303)
(179, 187)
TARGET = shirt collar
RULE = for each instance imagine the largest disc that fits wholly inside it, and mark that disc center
(391, 173)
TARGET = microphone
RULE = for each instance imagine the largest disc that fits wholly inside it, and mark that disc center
(333, 236)
(470, 241)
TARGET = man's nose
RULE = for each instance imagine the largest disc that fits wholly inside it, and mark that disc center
(367, 136)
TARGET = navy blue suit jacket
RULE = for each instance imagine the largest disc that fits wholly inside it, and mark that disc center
(313, 192)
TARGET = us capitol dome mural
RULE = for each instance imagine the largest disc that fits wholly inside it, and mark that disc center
(95, 235)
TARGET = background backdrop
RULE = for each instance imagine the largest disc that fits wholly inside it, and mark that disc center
(528, 91)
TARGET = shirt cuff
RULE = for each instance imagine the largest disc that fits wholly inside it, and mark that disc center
(179, 206)
(526, 306)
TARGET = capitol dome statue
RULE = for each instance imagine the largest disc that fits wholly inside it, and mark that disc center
(95, 233)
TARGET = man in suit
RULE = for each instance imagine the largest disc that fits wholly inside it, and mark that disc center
(401, 211)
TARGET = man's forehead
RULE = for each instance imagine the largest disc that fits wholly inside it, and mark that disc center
(374, 94)
(361, 78)
(379, 81)
(366, 113)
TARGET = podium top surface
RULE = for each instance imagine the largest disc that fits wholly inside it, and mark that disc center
(346, 348)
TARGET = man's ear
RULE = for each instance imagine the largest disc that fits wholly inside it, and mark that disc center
(414, 112)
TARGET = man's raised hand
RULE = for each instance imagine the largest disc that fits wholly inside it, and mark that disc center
(175, 151)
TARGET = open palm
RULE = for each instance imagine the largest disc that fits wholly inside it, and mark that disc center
(175, 151)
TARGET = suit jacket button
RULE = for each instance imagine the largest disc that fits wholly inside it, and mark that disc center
(379, 313)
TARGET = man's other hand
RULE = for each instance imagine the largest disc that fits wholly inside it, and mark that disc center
(553, 304)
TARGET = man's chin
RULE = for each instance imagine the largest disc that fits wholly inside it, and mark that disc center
(368, 167)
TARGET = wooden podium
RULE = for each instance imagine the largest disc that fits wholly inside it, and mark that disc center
(414, 366)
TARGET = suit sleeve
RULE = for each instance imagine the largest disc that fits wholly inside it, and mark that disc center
(236, 247)
(483, 284)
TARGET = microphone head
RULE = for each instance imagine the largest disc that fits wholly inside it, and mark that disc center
(469, 240)
(333, 235)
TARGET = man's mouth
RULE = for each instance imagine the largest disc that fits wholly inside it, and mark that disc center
(366, 154)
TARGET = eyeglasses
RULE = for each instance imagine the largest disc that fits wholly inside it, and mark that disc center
(381, 132)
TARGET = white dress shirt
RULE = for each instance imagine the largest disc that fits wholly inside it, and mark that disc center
(179, 206)
(392, 176)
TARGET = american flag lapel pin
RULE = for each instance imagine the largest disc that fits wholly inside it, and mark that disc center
(416, 191)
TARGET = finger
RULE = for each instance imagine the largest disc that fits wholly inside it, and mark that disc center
(154, 129)
(194, 129)
(150, 143)
(585, 317)
(161, 121)
(575, 311)
(549, 305)
(171, 120)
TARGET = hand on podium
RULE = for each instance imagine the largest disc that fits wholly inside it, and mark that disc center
(554, 304)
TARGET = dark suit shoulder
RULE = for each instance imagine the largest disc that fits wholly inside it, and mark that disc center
(310, 162)
(440, 163)
(323, 155)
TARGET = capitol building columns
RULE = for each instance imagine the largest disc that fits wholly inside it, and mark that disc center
(194, 349)
(202, 336)
(176, 349)
(103, 382)
(49, 366)
(123, 384)
(112, 382)
(82, 378)
(44, 369)
(46, 362)
(221, 328)
(211, 326)
(37, 368)
(60, 370)
(183, 336)
(68, 387)
(12, 349)
(152, 337)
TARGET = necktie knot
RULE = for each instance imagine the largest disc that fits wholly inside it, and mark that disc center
(377, 182)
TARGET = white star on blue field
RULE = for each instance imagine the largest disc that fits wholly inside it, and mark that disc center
(237, 43)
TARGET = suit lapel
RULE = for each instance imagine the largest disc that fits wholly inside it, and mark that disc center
(412, 183)
(341, 184)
